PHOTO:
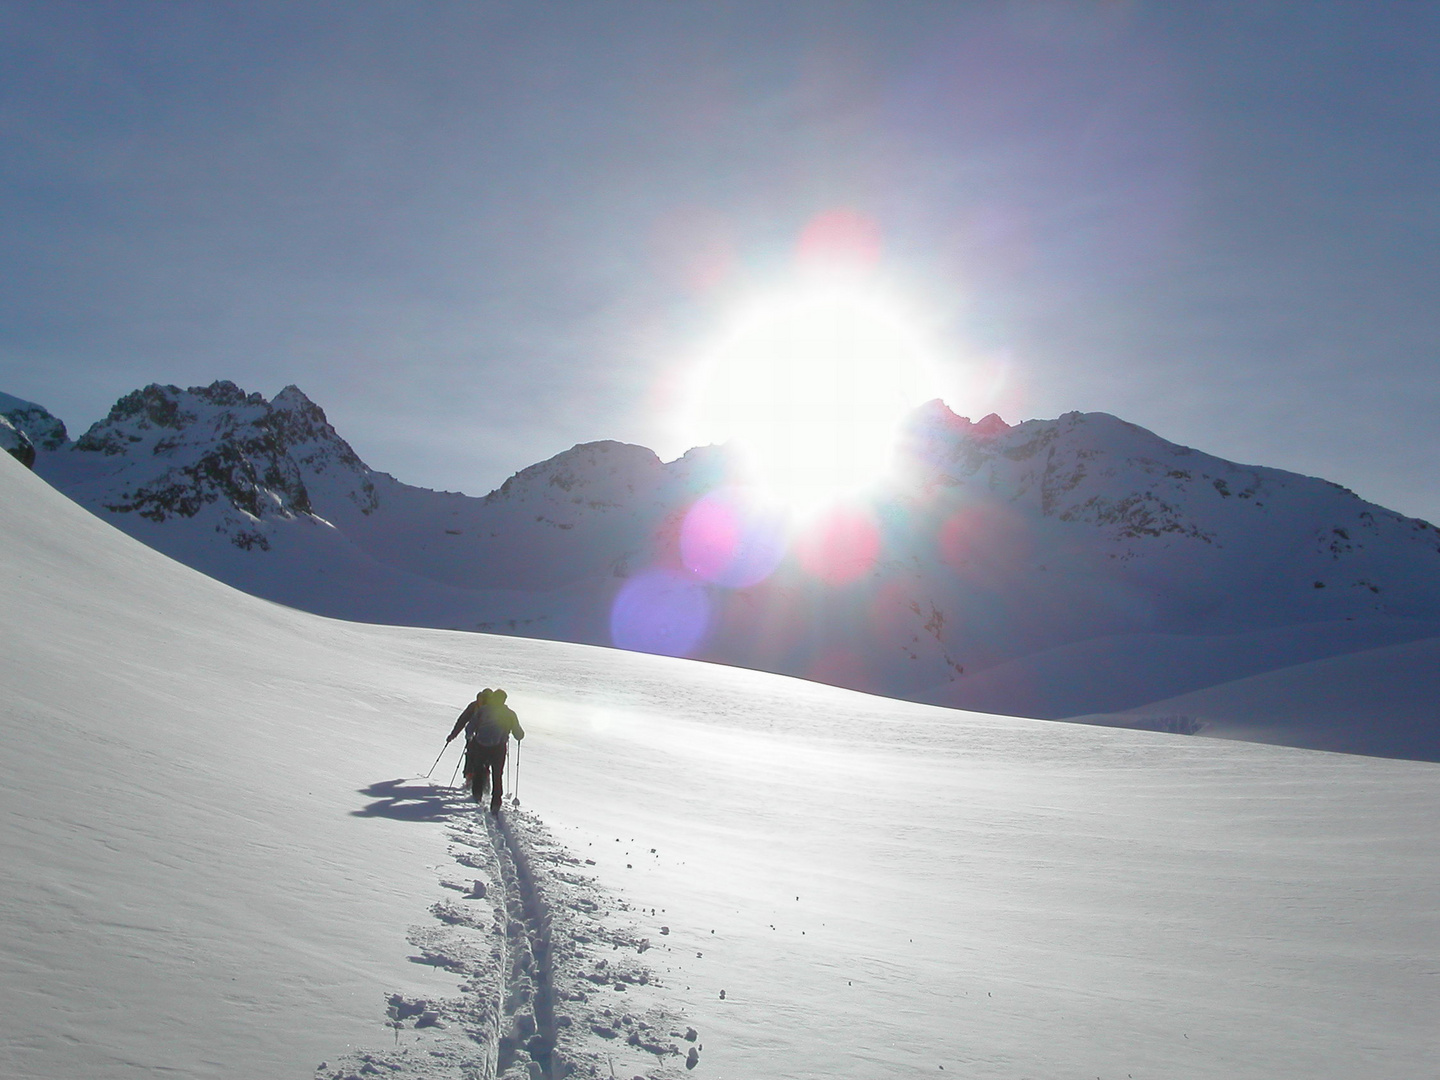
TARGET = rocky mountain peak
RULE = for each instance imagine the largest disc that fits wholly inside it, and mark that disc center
(293, 399)
(990, 426)
(301, 427)
(16, 443)
(43, 430)
(155, 407)
(221, 451)
(604, 473)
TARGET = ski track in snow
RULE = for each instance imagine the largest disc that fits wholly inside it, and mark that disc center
(552, 980)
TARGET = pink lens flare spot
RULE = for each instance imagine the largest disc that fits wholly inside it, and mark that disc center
(985, 542)
(840, 237)
(841, 547)
(841, 667)
(730, 539)
(660, 611)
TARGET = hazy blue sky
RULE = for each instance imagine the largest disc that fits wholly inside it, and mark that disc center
(477, 233)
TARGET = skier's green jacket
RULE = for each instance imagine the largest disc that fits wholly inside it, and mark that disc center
(488, 720)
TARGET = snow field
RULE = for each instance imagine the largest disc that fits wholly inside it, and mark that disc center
(184, 885)
(553, 977)
(207, 867)
(1381, 701)
(1025, 903)
(1076, 567)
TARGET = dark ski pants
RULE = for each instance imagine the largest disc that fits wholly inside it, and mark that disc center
(482, 762)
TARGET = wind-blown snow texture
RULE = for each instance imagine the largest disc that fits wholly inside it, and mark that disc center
(1078, 566)
(209, 868)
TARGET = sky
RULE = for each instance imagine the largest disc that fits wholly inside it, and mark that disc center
(479, 233)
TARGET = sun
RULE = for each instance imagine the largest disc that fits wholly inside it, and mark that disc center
(811, 381)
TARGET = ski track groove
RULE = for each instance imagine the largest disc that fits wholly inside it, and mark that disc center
(526, 963)
(538, 1000)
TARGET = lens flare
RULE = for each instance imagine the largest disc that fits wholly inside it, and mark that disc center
(840, 546)
(731, 538)
(842, 667)
(660, 611)
(986, 542)
(841, 238)
(810, 377)
(811, 383)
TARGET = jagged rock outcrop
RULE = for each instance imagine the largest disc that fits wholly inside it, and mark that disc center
(43, 430)
(16, 443)
(216, 450)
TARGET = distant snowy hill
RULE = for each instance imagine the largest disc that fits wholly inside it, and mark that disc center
(1378, 701)
(1054, 568)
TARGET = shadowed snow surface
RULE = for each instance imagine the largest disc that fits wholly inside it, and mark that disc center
(217, 861)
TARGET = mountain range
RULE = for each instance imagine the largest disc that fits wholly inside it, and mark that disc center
(233, 849)
(1080, 567)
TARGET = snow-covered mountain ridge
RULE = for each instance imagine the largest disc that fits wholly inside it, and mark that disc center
(35, 420)
(222, 861)
(1080, 565)
(221, 448)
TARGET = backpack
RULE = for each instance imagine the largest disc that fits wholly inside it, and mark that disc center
(484, 727)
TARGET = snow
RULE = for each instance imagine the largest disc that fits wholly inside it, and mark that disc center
(43, 429)
(1162, 666)
(184, 886)
(219, 857)
(1081, 566)
(1383, 699)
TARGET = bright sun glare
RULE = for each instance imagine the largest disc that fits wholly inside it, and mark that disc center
(812, 382)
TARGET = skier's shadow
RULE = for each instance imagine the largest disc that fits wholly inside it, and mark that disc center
(410, 800)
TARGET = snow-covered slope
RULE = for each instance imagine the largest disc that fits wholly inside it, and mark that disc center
(1058, 567)
(1384, 700)
(210, 868)
(184, 888)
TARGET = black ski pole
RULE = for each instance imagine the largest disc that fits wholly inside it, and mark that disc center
(457, 769)
(437, 759)
(515, 790)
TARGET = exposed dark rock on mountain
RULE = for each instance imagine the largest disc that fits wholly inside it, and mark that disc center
(17, 443)
(43, 430)
(1049, 568)
(178, 452)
